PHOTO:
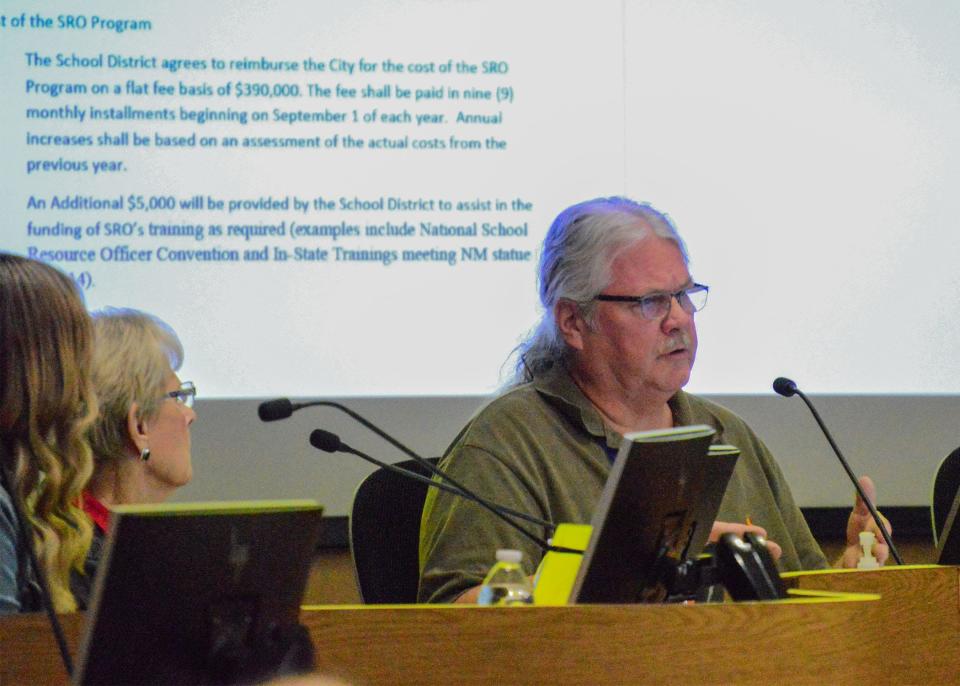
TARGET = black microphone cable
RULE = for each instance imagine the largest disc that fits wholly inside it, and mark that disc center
(331, 443)
(281, 408)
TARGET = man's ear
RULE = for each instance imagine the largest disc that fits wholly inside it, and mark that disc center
(136, 428)
(570, 322)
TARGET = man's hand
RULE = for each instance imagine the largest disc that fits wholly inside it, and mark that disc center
(472, 594)
(469, 596)
(860, 520)
(720, 528)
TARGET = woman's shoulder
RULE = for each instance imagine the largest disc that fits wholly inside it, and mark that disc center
(8, 516)
(9, 561)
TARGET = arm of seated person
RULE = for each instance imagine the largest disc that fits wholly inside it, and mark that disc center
(472, 594)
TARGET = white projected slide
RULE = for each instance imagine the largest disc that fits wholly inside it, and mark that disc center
(343, 199)
(810, 154)
(322, 198)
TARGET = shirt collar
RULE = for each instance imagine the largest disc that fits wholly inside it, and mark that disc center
(558, 386)
(96, 510)
(688, 410)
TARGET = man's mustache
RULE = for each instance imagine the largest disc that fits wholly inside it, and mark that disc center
(678, 341)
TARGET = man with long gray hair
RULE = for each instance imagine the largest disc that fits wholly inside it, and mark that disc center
(610, 356)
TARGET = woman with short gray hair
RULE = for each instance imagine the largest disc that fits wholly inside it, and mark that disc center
(141, 439)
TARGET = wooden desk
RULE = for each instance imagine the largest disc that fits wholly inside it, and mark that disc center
(921, 616)
(912, 635)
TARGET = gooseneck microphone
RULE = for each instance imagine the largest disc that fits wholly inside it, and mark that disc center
(331, 443)
(272, 410)
(787, 388)
(281, 408)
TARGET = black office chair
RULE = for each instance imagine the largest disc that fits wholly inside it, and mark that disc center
(385, 534)
(946, 485)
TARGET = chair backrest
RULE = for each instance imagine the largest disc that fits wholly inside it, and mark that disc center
(385, 534)
(946, 484)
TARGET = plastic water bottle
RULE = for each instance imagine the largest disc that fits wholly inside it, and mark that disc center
(506, 584)
(868, 561)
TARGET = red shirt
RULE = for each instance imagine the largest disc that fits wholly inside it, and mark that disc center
(96, 510)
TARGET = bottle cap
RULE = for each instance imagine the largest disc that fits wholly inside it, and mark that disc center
(506, 555)
(867, 561)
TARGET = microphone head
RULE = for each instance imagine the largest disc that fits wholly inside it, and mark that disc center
(272, 410)
(784, 386)
(325, 441)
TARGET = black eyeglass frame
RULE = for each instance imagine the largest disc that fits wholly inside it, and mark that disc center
(679, 296)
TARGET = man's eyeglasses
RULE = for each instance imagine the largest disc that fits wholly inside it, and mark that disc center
(657, 305)
(183, 395)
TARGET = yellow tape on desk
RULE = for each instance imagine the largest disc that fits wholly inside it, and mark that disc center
(557, 571)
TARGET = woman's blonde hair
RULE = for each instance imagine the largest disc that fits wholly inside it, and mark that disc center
(133, 353)
(46, 407)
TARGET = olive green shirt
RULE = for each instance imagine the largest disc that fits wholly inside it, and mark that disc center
(540, 449)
